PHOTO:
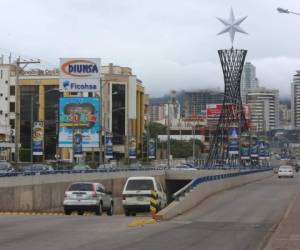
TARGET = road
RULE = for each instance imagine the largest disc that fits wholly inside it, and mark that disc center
(236, 219)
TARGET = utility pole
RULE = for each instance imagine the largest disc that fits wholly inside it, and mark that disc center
(20, 65)
(168, 145)
(100, 124)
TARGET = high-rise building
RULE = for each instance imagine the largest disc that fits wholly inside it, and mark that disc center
(295, 101)
(264, 106)
(7, 110)
(249, 80)
(161, 108)
(195, 101)
(284, 116)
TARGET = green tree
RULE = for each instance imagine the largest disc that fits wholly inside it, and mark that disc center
(156, 129)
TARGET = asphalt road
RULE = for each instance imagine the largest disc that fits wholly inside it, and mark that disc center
(236, 219)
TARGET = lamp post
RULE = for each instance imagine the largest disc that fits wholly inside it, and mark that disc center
(286, 11)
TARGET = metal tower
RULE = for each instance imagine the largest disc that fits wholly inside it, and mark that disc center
(224, 148)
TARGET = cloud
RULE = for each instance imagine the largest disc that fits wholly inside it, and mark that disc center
(170, 44)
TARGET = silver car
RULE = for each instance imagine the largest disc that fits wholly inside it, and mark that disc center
(87, 196)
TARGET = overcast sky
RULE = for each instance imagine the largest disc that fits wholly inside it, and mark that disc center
(169, 44)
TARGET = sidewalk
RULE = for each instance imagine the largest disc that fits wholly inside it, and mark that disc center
(287, 235)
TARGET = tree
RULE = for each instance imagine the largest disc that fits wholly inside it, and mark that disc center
(156, 129)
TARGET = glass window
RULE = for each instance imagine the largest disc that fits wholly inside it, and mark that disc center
(12, 107)
(81, 187)
(140, 185)
(12, 90)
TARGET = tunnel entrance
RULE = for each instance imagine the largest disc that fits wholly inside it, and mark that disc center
(173, 186)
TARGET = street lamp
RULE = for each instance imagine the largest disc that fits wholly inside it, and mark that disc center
(286, 11)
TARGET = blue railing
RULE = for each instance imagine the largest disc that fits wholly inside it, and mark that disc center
(197, 181)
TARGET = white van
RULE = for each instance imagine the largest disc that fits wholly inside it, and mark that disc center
(137, 193)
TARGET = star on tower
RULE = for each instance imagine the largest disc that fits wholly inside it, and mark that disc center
(232, 25)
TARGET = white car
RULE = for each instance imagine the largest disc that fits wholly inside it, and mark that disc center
(137, 193)
(88, 196)
(286, 171)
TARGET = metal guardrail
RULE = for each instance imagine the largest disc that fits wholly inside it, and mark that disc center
(197, 181)
(108, 170)
(73, 171)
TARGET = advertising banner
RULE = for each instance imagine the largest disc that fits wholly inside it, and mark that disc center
(38, 138)
(254, 147)
(79, 74)
(213, 111)
(108, 146)
(245, 146)
(233, 141)
(77, 143)
(151, 149)
(79, 113)
(132, 148)
(267, 150)
(261, 150)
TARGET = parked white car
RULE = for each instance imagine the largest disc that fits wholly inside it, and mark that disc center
(88, 196)
(137, 193)
(286, 171)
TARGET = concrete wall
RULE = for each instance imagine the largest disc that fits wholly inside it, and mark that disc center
(206, 189)
(45, 193)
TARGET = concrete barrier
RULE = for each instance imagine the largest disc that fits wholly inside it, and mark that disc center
(45, 193)
(206, 189)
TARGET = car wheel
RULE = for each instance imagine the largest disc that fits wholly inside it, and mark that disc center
(133, 213)
(110, 211)
(127, 212)
(80, 212)
(99, 209)
(67, 212)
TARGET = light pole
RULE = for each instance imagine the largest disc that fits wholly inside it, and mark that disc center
(286, 11)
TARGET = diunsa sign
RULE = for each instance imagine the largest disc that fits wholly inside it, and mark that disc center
(80, 74)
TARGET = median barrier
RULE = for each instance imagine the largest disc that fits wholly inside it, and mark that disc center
(201, 188)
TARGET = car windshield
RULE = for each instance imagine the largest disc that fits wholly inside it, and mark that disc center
(140, 185)
(81, 187)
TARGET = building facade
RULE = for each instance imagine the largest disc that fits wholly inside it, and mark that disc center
(249, 80)
(195, 101)
(264, 106)
(122, 110)
(295, 101)
(7, 110)
(284, 116)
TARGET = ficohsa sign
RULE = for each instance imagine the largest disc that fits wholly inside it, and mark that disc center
(80, 68)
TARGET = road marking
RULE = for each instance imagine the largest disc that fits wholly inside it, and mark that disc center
(141, 222)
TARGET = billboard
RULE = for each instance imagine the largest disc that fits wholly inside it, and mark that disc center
(77, 143)
(213, 111)
(79, 113)
(108, 146)
(254, 147)
(151, 149)
(245, 146)
(233, 141)
(79, 74)
(38, 138)
(261, 150)
(132, 148)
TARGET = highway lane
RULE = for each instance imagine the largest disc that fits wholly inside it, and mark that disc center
(238, 219)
